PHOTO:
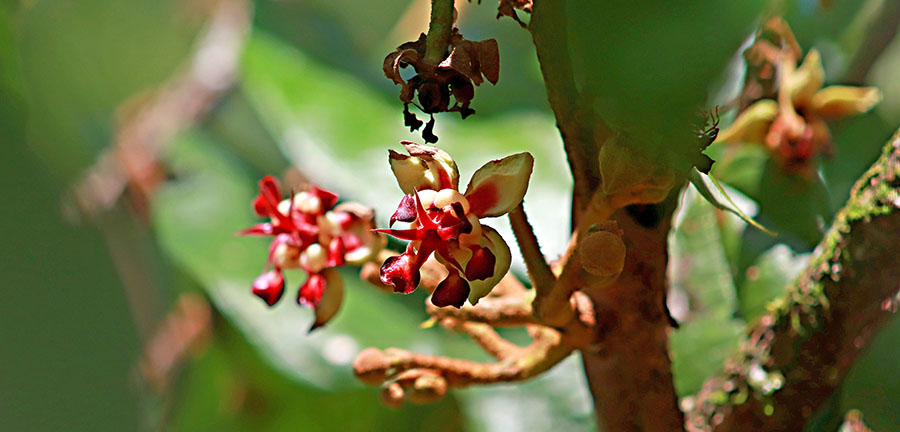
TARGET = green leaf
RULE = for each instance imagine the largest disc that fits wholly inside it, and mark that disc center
(715, 194)
(767, 279)
(700, 276)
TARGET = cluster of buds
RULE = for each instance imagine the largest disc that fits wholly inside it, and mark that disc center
(789, 117)
(312, 234)
(465, 65)
(444, 222)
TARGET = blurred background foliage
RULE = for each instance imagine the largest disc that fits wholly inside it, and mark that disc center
(84, 292)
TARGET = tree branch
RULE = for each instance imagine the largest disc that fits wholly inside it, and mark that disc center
(505, 311)
(630, 375)
(797, 355)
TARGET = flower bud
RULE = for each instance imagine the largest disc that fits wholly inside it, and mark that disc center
(314, 258)
(284, 254)
(269, 286)
(391, 395)
(602, 253)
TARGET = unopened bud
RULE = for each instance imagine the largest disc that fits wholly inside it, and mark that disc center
(428, 388)
(286, 256)
(307, 203)
(391, 395)
(314, 258)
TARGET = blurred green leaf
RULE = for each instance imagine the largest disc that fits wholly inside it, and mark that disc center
(872, 386)
(82, 59)
(227, 388)
(698, 268)
(647, 65)
(767, 279)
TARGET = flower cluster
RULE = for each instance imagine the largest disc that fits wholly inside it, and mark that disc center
(444, 222)
(312, 234)
(791, 124)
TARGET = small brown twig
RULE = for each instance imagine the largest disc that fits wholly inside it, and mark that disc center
(498, 311)
(542, 277)
(485, 336)
(374, 366)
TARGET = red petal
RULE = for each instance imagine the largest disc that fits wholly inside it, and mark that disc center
(452, 291)
(311, 291)
(270, 192)
(406, 211)
(260, 207)
(401, 273)
(407, 234)
(328, 198)
(422, 215)
(481, 265)
(336, 251)
(269, 287)
(351, 242)
(260, 229)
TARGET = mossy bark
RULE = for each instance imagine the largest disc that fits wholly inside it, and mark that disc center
(797, 354)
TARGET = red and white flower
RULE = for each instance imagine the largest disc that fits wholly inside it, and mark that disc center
(447, 223)
(312, 234)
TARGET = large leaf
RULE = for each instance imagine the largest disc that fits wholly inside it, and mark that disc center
(647, 65)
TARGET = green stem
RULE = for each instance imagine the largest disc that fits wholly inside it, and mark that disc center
(442, 17)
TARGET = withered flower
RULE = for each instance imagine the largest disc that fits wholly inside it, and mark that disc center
(466, 65)
(508, 8)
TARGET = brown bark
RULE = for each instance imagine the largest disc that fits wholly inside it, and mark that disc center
(797, 355)
(630, 375)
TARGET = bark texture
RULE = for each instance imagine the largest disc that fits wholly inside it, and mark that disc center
(630, 374)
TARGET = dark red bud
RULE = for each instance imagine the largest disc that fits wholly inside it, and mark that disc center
(336, 250)
(328, 198)
(406, 211)
(269, 286)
